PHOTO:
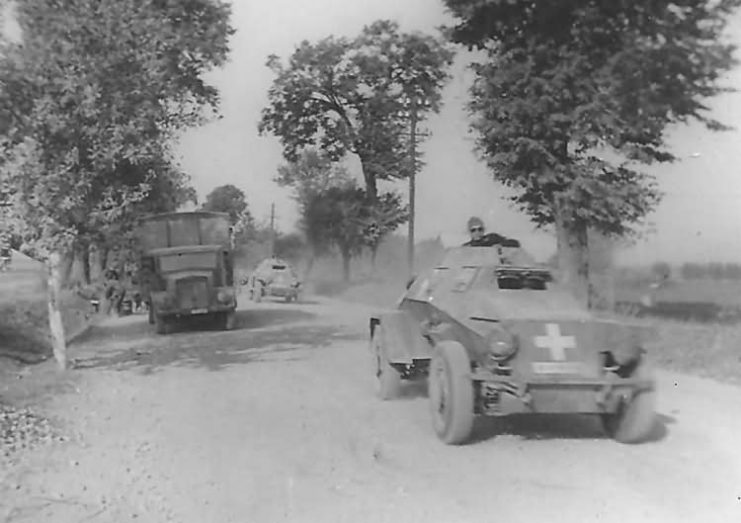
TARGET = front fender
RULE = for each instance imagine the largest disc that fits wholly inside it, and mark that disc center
(400, 337)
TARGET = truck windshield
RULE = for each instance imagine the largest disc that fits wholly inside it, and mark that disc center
(188, 260)
(184, 229)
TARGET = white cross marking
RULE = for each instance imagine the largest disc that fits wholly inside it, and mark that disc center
(554, 342)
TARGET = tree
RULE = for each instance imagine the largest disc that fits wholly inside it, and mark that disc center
(380, 219)
(354, 96)
(228, 199)
(334, 218)
(574, 97)
(93, 95)
(661, 270)
(732, 271)
(310, 176)
(291, 247)
(311, 173)
(693, 271)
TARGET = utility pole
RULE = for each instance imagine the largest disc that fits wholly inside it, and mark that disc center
(412, 184)
(272, 229)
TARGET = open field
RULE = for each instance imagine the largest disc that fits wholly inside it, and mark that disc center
(686, 300)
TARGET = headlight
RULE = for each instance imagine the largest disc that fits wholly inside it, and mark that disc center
(629, 354)
(224, 296)
(502, 345)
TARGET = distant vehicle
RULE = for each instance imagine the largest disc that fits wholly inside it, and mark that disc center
(274, 277)
(496, 335)
(187, 268)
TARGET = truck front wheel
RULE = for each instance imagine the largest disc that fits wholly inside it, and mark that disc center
(227, 320)
(162, 324)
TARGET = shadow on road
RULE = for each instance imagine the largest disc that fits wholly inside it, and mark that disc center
(554, 426)
(261, 335)
(137, 327)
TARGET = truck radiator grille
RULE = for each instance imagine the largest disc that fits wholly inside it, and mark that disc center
(192, 293)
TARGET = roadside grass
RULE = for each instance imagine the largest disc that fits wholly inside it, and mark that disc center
(24, 318)
(710, 350)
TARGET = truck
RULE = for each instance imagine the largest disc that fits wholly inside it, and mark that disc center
(187, 268)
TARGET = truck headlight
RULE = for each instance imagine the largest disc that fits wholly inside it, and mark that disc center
(502, 345)
(224, 296)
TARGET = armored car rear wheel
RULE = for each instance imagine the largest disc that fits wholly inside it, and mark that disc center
(635, 417)
(451, 393)
(388, 379)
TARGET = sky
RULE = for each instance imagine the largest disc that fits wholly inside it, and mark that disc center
(699, 218)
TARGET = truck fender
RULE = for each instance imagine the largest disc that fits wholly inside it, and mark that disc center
(401, 337)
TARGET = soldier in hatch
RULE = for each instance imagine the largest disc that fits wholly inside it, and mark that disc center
(479, 238)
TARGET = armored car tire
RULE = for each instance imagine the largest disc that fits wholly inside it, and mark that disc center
(388, 379)
(635, 417)
(451, 393)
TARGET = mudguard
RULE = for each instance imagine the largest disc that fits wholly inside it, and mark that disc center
(401, 338)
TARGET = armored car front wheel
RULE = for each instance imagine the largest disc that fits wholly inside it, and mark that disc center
(388, 379)
(451, 393)
(635, 416)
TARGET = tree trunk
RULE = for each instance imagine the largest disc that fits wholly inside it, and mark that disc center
(68, 264)
(371, 186)
(59, 346)
(85, 258)
(573, 254)
(346, 265)
(103, 258)
(310, 265)
(374, 255)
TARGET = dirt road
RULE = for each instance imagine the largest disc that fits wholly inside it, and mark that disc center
(276, 421)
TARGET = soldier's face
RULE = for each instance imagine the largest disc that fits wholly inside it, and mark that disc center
(477, 231)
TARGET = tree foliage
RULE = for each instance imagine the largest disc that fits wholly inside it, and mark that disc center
(574, 96)
(93, 95)
(354, 96)
(364, 222)
(290, 246)
(343, 217)
(310, 176)
(331, 220)
(231, 200)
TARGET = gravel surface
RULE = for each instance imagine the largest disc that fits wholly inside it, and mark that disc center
(22, 429)
(276, 421)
